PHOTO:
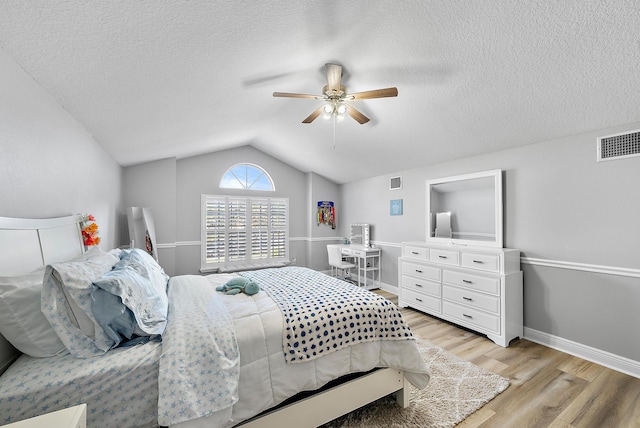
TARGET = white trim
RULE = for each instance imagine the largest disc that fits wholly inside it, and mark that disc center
(386, 244)
(608, 270)
(321, 239)
(604, 358)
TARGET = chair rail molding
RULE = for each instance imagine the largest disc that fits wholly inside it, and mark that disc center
(608, 270)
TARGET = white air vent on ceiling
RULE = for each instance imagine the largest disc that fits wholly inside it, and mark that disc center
(618, 146)
(395, 183)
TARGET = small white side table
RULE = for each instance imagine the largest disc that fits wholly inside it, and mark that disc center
(72, 417)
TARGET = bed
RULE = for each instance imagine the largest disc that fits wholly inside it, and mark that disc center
(215, 360)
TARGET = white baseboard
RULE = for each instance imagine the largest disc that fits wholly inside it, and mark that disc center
(598, 356)
(389, 288)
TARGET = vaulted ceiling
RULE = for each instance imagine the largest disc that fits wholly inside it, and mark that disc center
(156, 79)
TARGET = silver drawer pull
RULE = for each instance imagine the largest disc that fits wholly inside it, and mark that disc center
(467, 298)
(466, 281)
(478, 261)
(443, 257)
(467, 316)
(419, 300)
(418, 270)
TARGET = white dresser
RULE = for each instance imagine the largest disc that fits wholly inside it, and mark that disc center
(476, 287)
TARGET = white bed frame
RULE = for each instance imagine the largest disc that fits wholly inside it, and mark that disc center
(26, 244)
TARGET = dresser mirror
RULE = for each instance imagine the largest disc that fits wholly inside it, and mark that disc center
(465, 209)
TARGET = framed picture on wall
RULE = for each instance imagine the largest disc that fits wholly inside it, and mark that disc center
(395, 207)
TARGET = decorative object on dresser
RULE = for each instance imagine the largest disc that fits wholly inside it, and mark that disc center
(467, 278)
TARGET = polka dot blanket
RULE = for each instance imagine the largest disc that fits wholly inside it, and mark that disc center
(323, 314)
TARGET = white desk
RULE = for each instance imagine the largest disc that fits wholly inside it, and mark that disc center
(367, 264)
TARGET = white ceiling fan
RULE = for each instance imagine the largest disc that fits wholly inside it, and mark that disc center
(336, 97)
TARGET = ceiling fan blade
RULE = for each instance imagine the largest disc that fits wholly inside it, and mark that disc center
(290, 95)
(334, 75)
(313, 115)
(376, 93)
(361, 118)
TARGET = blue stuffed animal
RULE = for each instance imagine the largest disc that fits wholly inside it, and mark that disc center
(238, 285)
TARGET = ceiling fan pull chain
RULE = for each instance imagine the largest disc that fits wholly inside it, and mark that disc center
(334, 131)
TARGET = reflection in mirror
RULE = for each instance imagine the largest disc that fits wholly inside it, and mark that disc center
(465, 209)
(443, 225)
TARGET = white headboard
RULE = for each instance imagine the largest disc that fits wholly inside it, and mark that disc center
(27, 244)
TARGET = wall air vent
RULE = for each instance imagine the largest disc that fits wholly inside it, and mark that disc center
(395, 183)
(619, 146)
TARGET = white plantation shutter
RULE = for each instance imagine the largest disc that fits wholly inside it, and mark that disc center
(215, 219)
(244, 231)
(237, 230)
(259, 229)
(279, 227)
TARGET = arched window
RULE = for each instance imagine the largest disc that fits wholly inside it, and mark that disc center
(248, 177)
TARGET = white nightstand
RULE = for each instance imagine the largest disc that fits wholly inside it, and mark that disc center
(72, 417)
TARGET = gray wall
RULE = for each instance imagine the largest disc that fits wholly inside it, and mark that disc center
(153, 185)
(321, 189)
(561, 207)
(50, 165)
(173, 188)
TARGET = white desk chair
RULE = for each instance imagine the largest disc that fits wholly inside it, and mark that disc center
(335, 261)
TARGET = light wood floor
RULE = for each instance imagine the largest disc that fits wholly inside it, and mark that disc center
(548, 388)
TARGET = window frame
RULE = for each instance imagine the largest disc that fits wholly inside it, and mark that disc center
(244, 184)
(241, 233)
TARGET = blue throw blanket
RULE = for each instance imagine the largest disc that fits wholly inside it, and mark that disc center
(323, 314)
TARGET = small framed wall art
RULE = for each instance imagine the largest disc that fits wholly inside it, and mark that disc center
(395, 207)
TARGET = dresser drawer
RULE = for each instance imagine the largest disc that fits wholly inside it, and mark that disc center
(413, 252)
(444, 256)
(420, 285)
(474, 282)
(488, 262)
(421, 271)
(421, 301)
(482, 320)
(471, 298)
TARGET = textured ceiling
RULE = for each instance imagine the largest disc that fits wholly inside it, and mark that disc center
(157, 79)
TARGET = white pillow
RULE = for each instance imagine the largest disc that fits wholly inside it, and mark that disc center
(21, 321)
(66, 302)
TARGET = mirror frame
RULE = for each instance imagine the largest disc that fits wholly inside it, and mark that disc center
(497, 184)
(364, 234)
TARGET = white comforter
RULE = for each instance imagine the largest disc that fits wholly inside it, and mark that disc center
(266, 379)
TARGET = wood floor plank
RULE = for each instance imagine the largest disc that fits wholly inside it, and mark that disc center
(604, 402)
(548, 388)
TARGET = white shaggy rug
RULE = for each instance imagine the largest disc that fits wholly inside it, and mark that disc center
(457, 389)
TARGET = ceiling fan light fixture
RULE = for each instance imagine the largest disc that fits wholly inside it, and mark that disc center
(341, 110)
(327, 110)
